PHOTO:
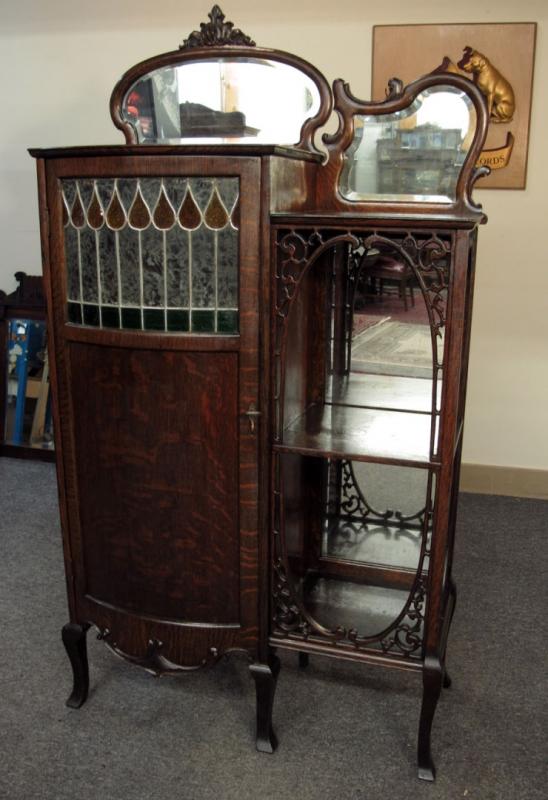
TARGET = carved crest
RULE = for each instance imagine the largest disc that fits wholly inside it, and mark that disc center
(216, 33)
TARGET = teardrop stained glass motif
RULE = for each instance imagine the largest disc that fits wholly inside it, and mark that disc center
(95, 212)
(235, 215)
(65, 213)
(189, 213)
(139, 215)
(164, 215)
(216, 215)
(116, 218)
(78, 217)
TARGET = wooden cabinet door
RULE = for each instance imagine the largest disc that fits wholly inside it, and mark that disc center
(153, 288)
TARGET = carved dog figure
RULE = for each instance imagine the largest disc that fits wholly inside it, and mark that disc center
(498, 92)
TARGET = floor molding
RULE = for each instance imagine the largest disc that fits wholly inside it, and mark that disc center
(509, 481)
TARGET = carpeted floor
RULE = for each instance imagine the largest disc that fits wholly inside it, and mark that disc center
(394, 348)
(346, 732)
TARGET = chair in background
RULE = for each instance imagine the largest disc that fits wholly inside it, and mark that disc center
(383, 270)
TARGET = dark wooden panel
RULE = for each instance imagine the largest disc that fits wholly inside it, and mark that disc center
(156, 442)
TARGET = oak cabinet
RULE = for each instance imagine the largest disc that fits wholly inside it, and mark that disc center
(259, 436)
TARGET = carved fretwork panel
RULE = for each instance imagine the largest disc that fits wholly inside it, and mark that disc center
(304, 584)
(324, 562)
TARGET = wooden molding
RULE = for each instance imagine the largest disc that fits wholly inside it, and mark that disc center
(510, 481)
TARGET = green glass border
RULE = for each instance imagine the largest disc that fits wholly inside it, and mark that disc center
(91, 315)
(227, 322)
(178, 320)
(153, 319)
(203, 321)
(131, 319)
(110, 317)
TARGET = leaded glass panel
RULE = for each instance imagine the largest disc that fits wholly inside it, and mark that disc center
(155, 254)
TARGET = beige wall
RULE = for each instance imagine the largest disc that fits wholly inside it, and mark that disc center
(59, 60)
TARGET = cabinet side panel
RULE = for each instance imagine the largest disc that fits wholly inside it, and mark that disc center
(157, 473)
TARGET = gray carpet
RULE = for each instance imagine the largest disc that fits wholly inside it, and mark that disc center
(346, 731)
(394, 347)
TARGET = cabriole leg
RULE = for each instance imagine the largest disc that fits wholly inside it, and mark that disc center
(453, 592)
(265, 677)
(432, 681)
(74, 639)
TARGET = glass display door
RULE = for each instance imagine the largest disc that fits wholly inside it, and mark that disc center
(157, 331)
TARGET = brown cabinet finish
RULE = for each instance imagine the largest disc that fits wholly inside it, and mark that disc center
(232, 436)
(160, 465)
(161, 433)
(170, 546)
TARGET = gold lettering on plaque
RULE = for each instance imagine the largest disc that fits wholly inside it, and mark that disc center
(499, 157)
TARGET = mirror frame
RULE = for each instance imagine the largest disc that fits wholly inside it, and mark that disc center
(348, 107)
(218, 39)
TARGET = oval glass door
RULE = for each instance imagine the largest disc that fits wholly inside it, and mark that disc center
(356, 475)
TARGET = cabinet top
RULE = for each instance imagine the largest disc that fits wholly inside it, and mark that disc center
(413, 155)
(205, 150)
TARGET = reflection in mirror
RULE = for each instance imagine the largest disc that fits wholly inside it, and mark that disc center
(356, 477)
(376, 513)
(354, 561)
(382, 338)
(224, 100)
(28, 413)
(387, 356)
(413, 154)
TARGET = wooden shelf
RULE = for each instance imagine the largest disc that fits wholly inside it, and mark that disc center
(381, 391)
(372, 543)
(361, 434)
(368, 609)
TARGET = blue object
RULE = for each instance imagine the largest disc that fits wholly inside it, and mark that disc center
(26, 338)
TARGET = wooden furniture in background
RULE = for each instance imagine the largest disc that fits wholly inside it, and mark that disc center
(26, 303)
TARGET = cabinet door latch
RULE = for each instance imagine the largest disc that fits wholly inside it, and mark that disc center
(252, 414)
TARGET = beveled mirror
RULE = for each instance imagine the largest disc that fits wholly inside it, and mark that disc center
(419, 146)
(219, 88)
(415, 153)
(222, 100)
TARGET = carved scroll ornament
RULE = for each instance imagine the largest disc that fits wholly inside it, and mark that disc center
(217, 33)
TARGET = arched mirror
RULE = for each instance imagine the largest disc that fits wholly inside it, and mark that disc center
(219, 88)
(222, 100)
